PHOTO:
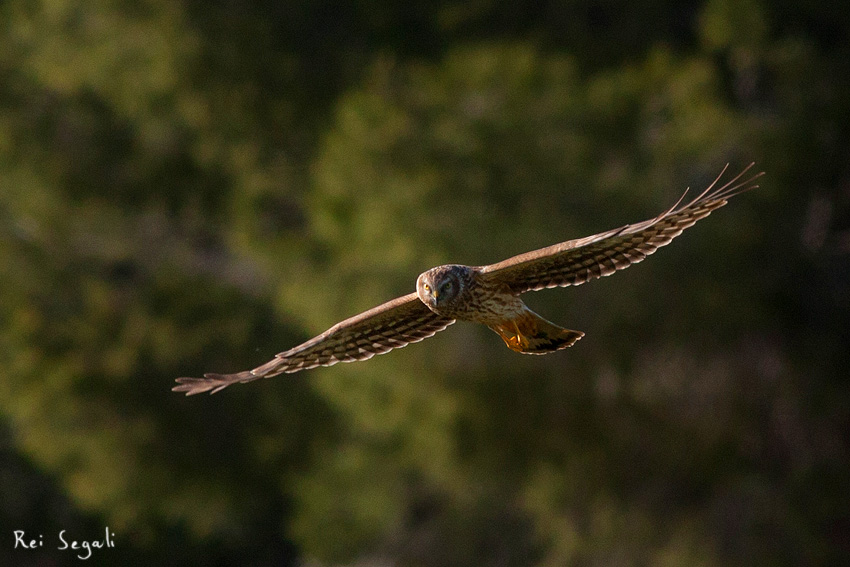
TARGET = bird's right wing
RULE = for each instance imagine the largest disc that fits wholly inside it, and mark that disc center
(394, 324)
(577, 261)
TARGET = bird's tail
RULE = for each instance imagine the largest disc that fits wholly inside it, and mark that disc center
(529, 333)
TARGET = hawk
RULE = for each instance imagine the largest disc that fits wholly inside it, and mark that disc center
(489, 295)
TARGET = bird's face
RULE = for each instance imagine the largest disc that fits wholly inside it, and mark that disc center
(440, 287)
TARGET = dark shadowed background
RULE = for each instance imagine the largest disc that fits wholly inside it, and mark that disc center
(192, 186)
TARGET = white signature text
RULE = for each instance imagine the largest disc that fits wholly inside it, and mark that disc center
(83, 547)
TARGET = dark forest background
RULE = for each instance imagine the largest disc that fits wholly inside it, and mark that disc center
(192, 186)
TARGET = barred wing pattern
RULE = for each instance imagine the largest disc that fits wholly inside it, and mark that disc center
(394, 324)
(578, 261)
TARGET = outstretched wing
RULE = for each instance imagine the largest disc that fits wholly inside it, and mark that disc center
(577, 261)
(394, 324)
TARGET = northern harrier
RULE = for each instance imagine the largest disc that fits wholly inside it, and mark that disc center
(488, 295)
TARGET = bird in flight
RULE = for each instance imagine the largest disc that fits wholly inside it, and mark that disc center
(489, 295)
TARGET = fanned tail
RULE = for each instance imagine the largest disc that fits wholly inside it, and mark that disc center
(530, 333)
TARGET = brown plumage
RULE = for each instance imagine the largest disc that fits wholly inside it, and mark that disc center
(488, 295)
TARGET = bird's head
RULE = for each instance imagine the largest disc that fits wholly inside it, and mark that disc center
(440, 287)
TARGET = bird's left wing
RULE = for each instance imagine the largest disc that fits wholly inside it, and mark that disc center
(394, 324)
(577, 261)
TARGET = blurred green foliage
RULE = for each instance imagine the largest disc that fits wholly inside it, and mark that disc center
(195, 186)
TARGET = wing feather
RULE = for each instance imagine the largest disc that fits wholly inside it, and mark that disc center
(577, 261)
(394, 324)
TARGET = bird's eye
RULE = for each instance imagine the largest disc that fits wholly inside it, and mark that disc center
(447, 286)
(427, 287)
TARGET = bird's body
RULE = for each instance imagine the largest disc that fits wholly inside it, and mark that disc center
(459, 292)
(465, 293)
(488, 295)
